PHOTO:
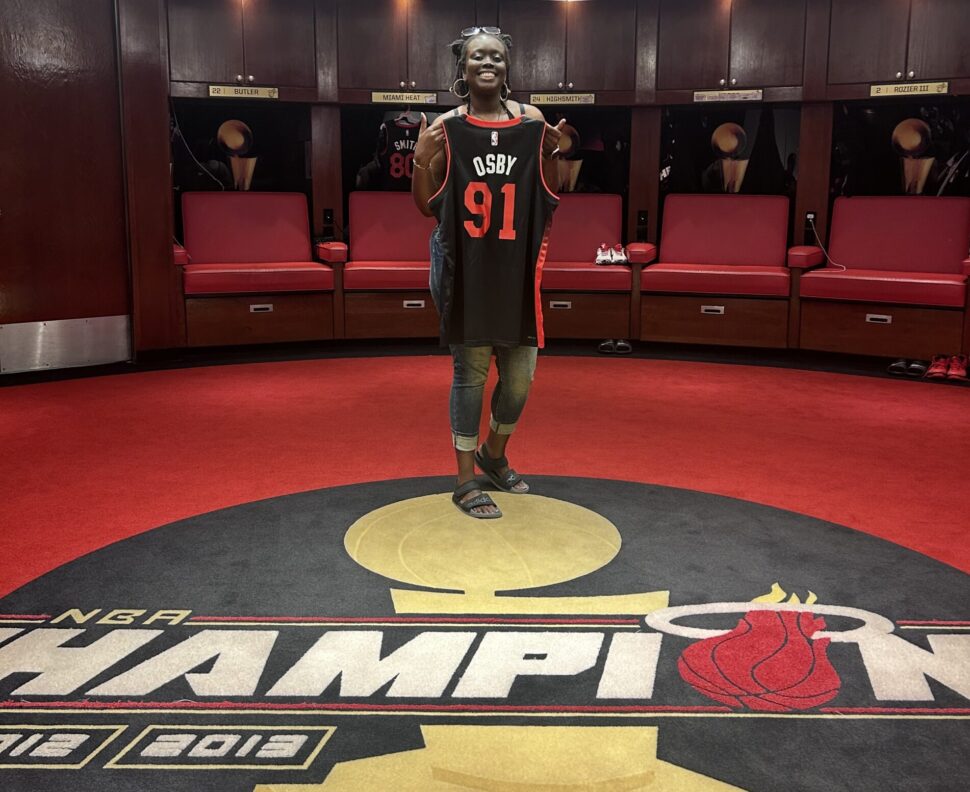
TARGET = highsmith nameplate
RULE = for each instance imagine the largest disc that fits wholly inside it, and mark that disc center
(401, 97)
(243, 92)
(563, 98)
(752, 95)
(907, 89)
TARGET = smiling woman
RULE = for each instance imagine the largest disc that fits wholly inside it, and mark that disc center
(486, 266)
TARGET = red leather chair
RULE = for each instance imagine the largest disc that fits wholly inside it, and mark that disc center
(582, 299)
(721, 275)
(386, 292)
(896, 283)
(247, 270)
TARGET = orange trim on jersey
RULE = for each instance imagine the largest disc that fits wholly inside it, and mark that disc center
(542, 173)
(447, 164)
(491, 124)
(540, 261)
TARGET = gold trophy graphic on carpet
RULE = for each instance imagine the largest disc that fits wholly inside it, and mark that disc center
(236, 139)
(540, 541)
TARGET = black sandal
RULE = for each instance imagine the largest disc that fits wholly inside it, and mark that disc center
(472, 503)
(490, 467)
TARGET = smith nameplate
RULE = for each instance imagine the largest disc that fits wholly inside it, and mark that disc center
(562, 98)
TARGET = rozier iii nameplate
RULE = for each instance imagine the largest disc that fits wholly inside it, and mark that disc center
(243, 92)
(907, 89)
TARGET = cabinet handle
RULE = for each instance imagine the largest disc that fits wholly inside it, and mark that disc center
(570, 86)
(899, 75)
(251, 78)
(722, 81)
(734, 81)
(239, 78)
(911, 74)
(413, 84)
(560, 85)
(403, 84)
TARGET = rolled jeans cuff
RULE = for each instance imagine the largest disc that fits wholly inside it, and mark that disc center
(465, 442)
(500, 428)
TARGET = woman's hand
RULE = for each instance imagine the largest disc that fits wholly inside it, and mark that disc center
(550, 141)
(431, 140)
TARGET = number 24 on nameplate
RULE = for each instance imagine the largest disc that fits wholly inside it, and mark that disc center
(478, 201)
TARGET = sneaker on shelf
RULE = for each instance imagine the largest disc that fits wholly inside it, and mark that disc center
(604, 254)
(958, 368)
(939, 366)
(618, 254)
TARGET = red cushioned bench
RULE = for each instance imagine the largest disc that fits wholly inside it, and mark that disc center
(247, 271)
(386, 293)
(903, 289)
(721, 276)
(582, 299)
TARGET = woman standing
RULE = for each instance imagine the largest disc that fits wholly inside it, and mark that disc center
(487, 171)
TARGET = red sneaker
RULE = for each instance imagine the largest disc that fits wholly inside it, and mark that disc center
(958, 368)
(939, 366)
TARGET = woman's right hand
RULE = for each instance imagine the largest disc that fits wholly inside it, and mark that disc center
(431, 140)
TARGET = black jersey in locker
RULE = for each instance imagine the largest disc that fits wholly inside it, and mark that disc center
(494, 210)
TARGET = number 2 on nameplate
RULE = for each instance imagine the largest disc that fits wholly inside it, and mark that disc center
(478, 201)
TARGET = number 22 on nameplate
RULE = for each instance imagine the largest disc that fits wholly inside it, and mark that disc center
(478, 201)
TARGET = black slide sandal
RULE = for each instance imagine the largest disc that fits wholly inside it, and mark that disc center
(479, 500)
(490, 467)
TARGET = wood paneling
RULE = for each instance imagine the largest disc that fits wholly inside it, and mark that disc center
(867, 40)
(432, 26)
(326, 168)
(914, 332)
(645, 128)
(538, 29)
(817, 16)
(590, 66)
(224, 321)
(372, 43)
(205, 40)
(158, 314)
(767, 43)
(694, 41)
(383, 315)
(647, 22)
(814, 167)
(589, 315)
(745, 321)
(326, 22)
(939, 46)
(62, 207)
(280, 42)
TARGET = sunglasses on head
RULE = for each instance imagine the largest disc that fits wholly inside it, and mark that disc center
(468, 32)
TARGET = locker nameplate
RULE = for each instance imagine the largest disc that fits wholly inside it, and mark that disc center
(750, 95)
(562, 98)
(908, 89)
(243, 92)
(403, 97)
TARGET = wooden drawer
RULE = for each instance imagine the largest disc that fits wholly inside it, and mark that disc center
(880, 329)
(706, 319)
(258, 318)
(390, 315)
(585, 315)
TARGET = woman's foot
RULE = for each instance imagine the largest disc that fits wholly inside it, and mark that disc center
(498, 470)
(469, 497)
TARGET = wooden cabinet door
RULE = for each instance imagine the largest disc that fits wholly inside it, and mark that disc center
(372, 44)
(280, 42)
(432, 26)
(939, 47)
(538, 30)
(601, 45)
(867, 40)
(767, 43)
(693, 44)
(205, 40)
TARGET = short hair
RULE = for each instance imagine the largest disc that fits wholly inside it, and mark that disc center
(459, 48)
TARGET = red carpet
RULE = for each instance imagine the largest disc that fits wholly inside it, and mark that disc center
(87, 462)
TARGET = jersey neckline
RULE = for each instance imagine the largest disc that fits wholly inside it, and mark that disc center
(509, 122)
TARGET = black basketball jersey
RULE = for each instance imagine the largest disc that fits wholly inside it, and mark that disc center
(494, 210)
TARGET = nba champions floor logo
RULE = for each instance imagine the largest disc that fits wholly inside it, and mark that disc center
(467, 654)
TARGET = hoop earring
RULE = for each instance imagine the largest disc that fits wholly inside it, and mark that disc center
(508, 91)
(454, 88)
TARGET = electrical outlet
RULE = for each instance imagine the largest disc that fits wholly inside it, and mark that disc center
(809, 217)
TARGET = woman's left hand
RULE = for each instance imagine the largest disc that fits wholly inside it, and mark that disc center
(550, 141)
